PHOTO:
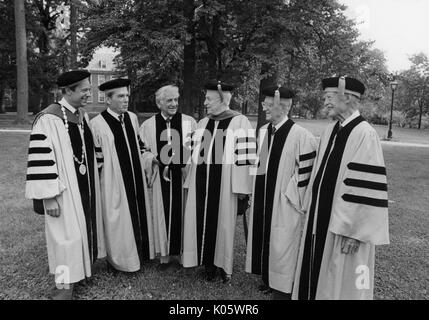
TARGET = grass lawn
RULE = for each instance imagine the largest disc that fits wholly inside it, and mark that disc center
(401, 267)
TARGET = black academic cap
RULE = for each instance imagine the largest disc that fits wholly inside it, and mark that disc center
(113, 84)
(285, 93)
(213, 85)
(72, 77)
(352, 86)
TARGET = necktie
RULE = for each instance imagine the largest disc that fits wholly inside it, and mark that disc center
(168, 123)
(121, 120)
(274, 130)
(79, 115)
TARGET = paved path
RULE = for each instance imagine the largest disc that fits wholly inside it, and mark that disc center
(404, 144)
(388, 143)
(16, 130)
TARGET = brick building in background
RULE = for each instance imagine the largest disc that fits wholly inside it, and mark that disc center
(102, 69)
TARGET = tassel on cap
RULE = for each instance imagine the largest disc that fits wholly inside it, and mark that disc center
(341, 85)
(277, 95)
(219, 89)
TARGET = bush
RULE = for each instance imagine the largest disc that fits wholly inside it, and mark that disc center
(398, 118)
(371, 111)
(413, 122)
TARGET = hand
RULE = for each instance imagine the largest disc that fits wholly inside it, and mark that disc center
(152, 175)
(150, 178)
(349, 245)
(52, 208)
(150, 170)
(155, 162)
(184, 173)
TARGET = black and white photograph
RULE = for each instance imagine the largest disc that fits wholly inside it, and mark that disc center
(217, 155)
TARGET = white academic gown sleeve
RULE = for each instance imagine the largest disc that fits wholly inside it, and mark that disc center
(42, 172)
(245, 156)
(360, 209)
(305, 153)
(147, 154)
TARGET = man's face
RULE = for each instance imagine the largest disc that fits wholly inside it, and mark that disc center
(213, 103)
(273, 113)
(169, 102)
(118, 102)
(79, 97)
(333, 105)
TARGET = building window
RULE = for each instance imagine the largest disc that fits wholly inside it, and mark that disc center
(101, 79)
(8, 98)
(102, 64)
(100, 96)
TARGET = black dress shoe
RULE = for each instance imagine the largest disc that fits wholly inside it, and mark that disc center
(164, 266)
(111, 269)
(265, 289)
(175, 266)
(63, 294)
(210, 276)
(226, 278)
(169, 267)
(210, 273)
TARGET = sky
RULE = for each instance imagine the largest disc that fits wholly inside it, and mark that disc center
(400, 28)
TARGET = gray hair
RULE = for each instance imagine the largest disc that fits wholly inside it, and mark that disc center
(110, 93)
(227, 96)
(353, 101)
(160, 93)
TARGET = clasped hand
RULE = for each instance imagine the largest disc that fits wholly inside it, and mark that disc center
(349, 245)
(52, 208)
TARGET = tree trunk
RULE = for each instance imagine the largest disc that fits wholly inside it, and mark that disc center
(420, 114)
(213, 49)
(73, 34)
(190, 92)
(22, 64)
(2, 106)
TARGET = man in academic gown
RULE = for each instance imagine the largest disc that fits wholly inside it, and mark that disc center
(224, 148)
(168, 137)
(62, 172)
(286, 152)
(346, 203)
(126, 211)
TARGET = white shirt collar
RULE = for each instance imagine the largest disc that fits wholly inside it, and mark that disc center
(67, 105)
(113, 113)
(165, 118)
(351, 118)
(278, 125)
